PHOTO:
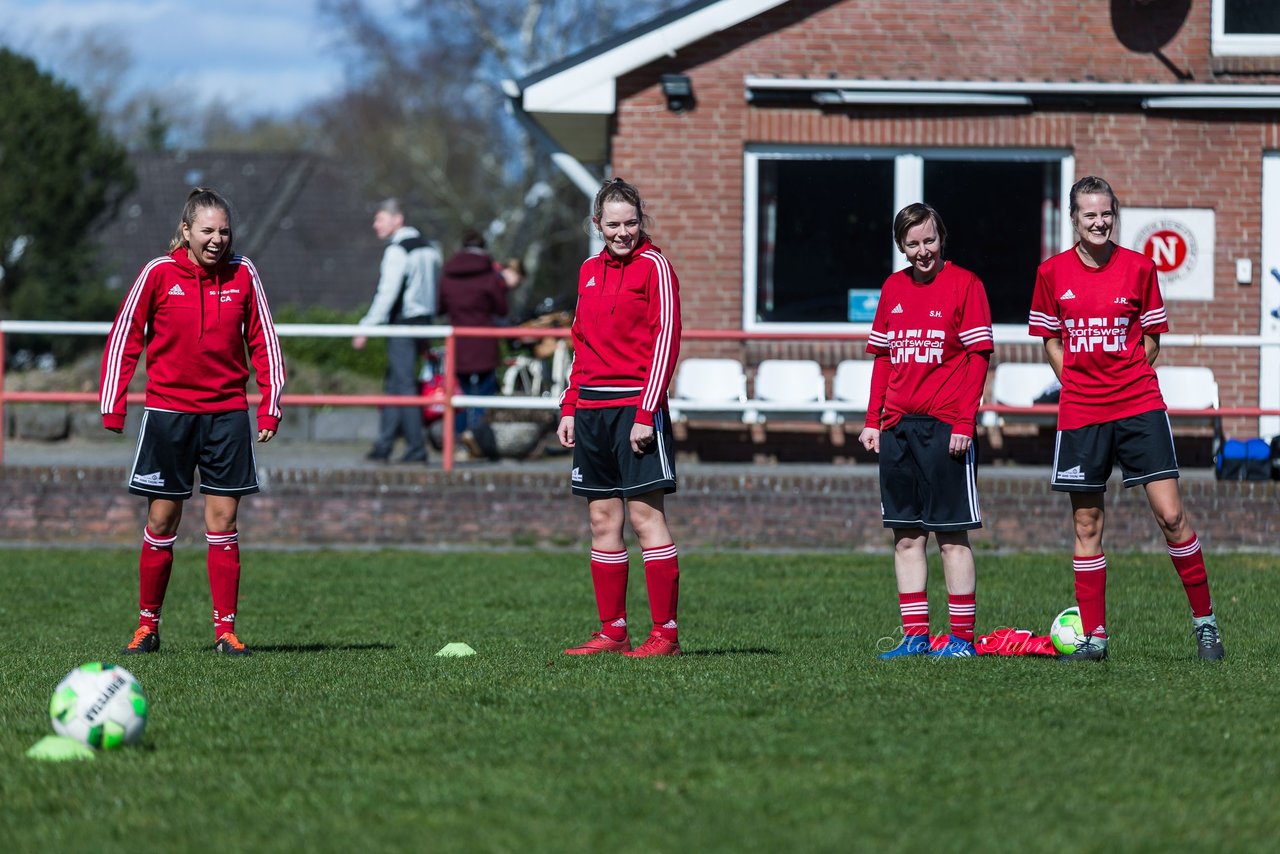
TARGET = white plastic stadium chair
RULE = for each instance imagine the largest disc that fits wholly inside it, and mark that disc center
(851, 389)
(790, 388)
(715, 388)
(1189, 387)
(1017, 384)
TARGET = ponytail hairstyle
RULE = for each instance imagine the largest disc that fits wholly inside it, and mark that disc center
(1092, 184)
(199, 199)
(618, 190)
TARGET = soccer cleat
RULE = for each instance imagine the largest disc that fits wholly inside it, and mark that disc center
(145, 639)
(910, 645)
(955, 648)
(600, 642)
(229, 644)
(653, 645)
(1089, 649)
(1208, 639)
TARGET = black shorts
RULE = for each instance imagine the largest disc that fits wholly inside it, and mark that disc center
(1142, 444)
(172, 445)
(921, 484)
(604, 466)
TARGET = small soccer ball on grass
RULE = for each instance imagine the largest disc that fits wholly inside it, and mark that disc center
(100, 705)
(1067, 632)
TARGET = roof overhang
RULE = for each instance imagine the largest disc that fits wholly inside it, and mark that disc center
(575, 99)
(1005, 94)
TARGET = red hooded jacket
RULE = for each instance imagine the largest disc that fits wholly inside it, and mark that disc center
(626, 332)
(194, 324)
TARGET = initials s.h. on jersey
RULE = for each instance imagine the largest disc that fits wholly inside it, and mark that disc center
(1101, 314)
(930, 334)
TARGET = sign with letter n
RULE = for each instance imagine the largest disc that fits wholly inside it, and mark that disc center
(1179, 241)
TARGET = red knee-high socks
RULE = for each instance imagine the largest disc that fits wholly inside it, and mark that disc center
(609, 577)
(1188, 560)
(915, 613)
(1091, 593)
(662, 578)
(963, 611)
(155, 565)
(224, 579)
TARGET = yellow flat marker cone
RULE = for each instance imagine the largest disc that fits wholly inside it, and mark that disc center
(455, 650)
(58, 748)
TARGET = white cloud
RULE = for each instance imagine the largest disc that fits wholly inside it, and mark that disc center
(261, 55)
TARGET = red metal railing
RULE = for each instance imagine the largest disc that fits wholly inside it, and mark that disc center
(447, 397)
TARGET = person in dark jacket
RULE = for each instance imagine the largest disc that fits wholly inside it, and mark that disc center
(474, 293)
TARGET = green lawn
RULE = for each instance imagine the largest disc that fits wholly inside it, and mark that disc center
(778, 730)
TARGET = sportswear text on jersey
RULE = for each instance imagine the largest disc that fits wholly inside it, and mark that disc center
(1087, 334)
(916, 345)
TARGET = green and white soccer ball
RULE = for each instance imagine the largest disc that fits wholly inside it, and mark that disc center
(1067, 632)
(100, 705)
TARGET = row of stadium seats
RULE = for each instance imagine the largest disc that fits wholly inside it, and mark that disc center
(795, 389)
(785, 389)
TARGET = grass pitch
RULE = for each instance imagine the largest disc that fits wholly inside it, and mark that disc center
(778, 730)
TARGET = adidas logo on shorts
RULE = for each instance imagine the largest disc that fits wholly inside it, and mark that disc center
(1072, 473)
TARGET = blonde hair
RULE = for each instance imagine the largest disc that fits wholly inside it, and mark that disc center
(199, 199)
(618, 190)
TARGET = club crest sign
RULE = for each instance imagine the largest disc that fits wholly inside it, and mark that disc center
(1179, 242)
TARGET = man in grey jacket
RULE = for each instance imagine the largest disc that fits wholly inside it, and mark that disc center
(406, 295)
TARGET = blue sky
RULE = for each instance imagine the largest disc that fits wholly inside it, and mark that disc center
(270, 55)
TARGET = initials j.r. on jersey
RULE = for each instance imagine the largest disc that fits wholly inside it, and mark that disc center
(1100, 314)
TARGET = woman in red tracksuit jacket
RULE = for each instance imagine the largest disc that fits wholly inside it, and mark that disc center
(194, 311)
(626, 337)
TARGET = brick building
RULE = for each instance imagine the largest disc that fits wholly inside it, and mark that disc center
(775, 139)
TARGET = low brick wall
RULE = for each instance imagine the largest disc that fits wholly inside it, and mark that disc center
(761, 508)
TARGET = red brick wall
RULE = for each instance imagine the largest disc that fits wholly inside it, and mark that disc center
(690, 165)
(761, 508)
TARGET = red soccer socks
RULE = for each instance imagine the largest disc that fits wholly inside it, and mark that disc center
(1091, 593)
(155, 565)
(1188, 560)
(609, 578)
(224, 579)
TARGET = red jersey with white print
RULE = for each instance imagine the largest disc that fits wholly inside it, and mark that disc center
(936, 340)
(626, 333)
(1101, 314)
(195, 325)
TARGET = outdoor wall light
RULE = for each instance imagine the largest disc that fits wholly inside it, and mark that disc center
(678, 89)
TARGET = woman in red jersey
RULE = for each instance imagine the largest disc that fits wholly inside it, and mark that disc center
(194, 311)
(626, 337)
(931, 339)
(1099, 310)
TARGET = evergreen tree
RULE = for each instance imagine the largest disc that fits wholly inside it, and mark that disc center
(60, 176)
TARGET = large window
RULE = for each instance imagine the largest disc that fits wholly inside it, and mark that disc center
(1246, 27)
(820, 237)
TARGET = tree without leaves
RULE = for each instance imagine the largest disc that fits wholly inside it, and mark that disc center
(425, 118)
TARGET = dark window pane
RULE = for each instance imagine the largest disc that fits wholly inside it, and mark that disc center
(825, 227)
(1251, 17)
(1002, 221)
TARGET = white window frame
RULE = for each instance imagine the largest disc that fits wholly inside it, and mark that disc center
(1224, 44)
(908, 187)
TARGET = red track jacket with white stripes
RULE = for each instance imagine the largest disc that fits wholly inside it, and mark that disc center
(626, 332)
(194, 324)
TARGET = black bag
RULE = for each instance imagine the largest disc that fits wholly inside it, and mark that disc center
(1275, 457)
(1244, 459)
